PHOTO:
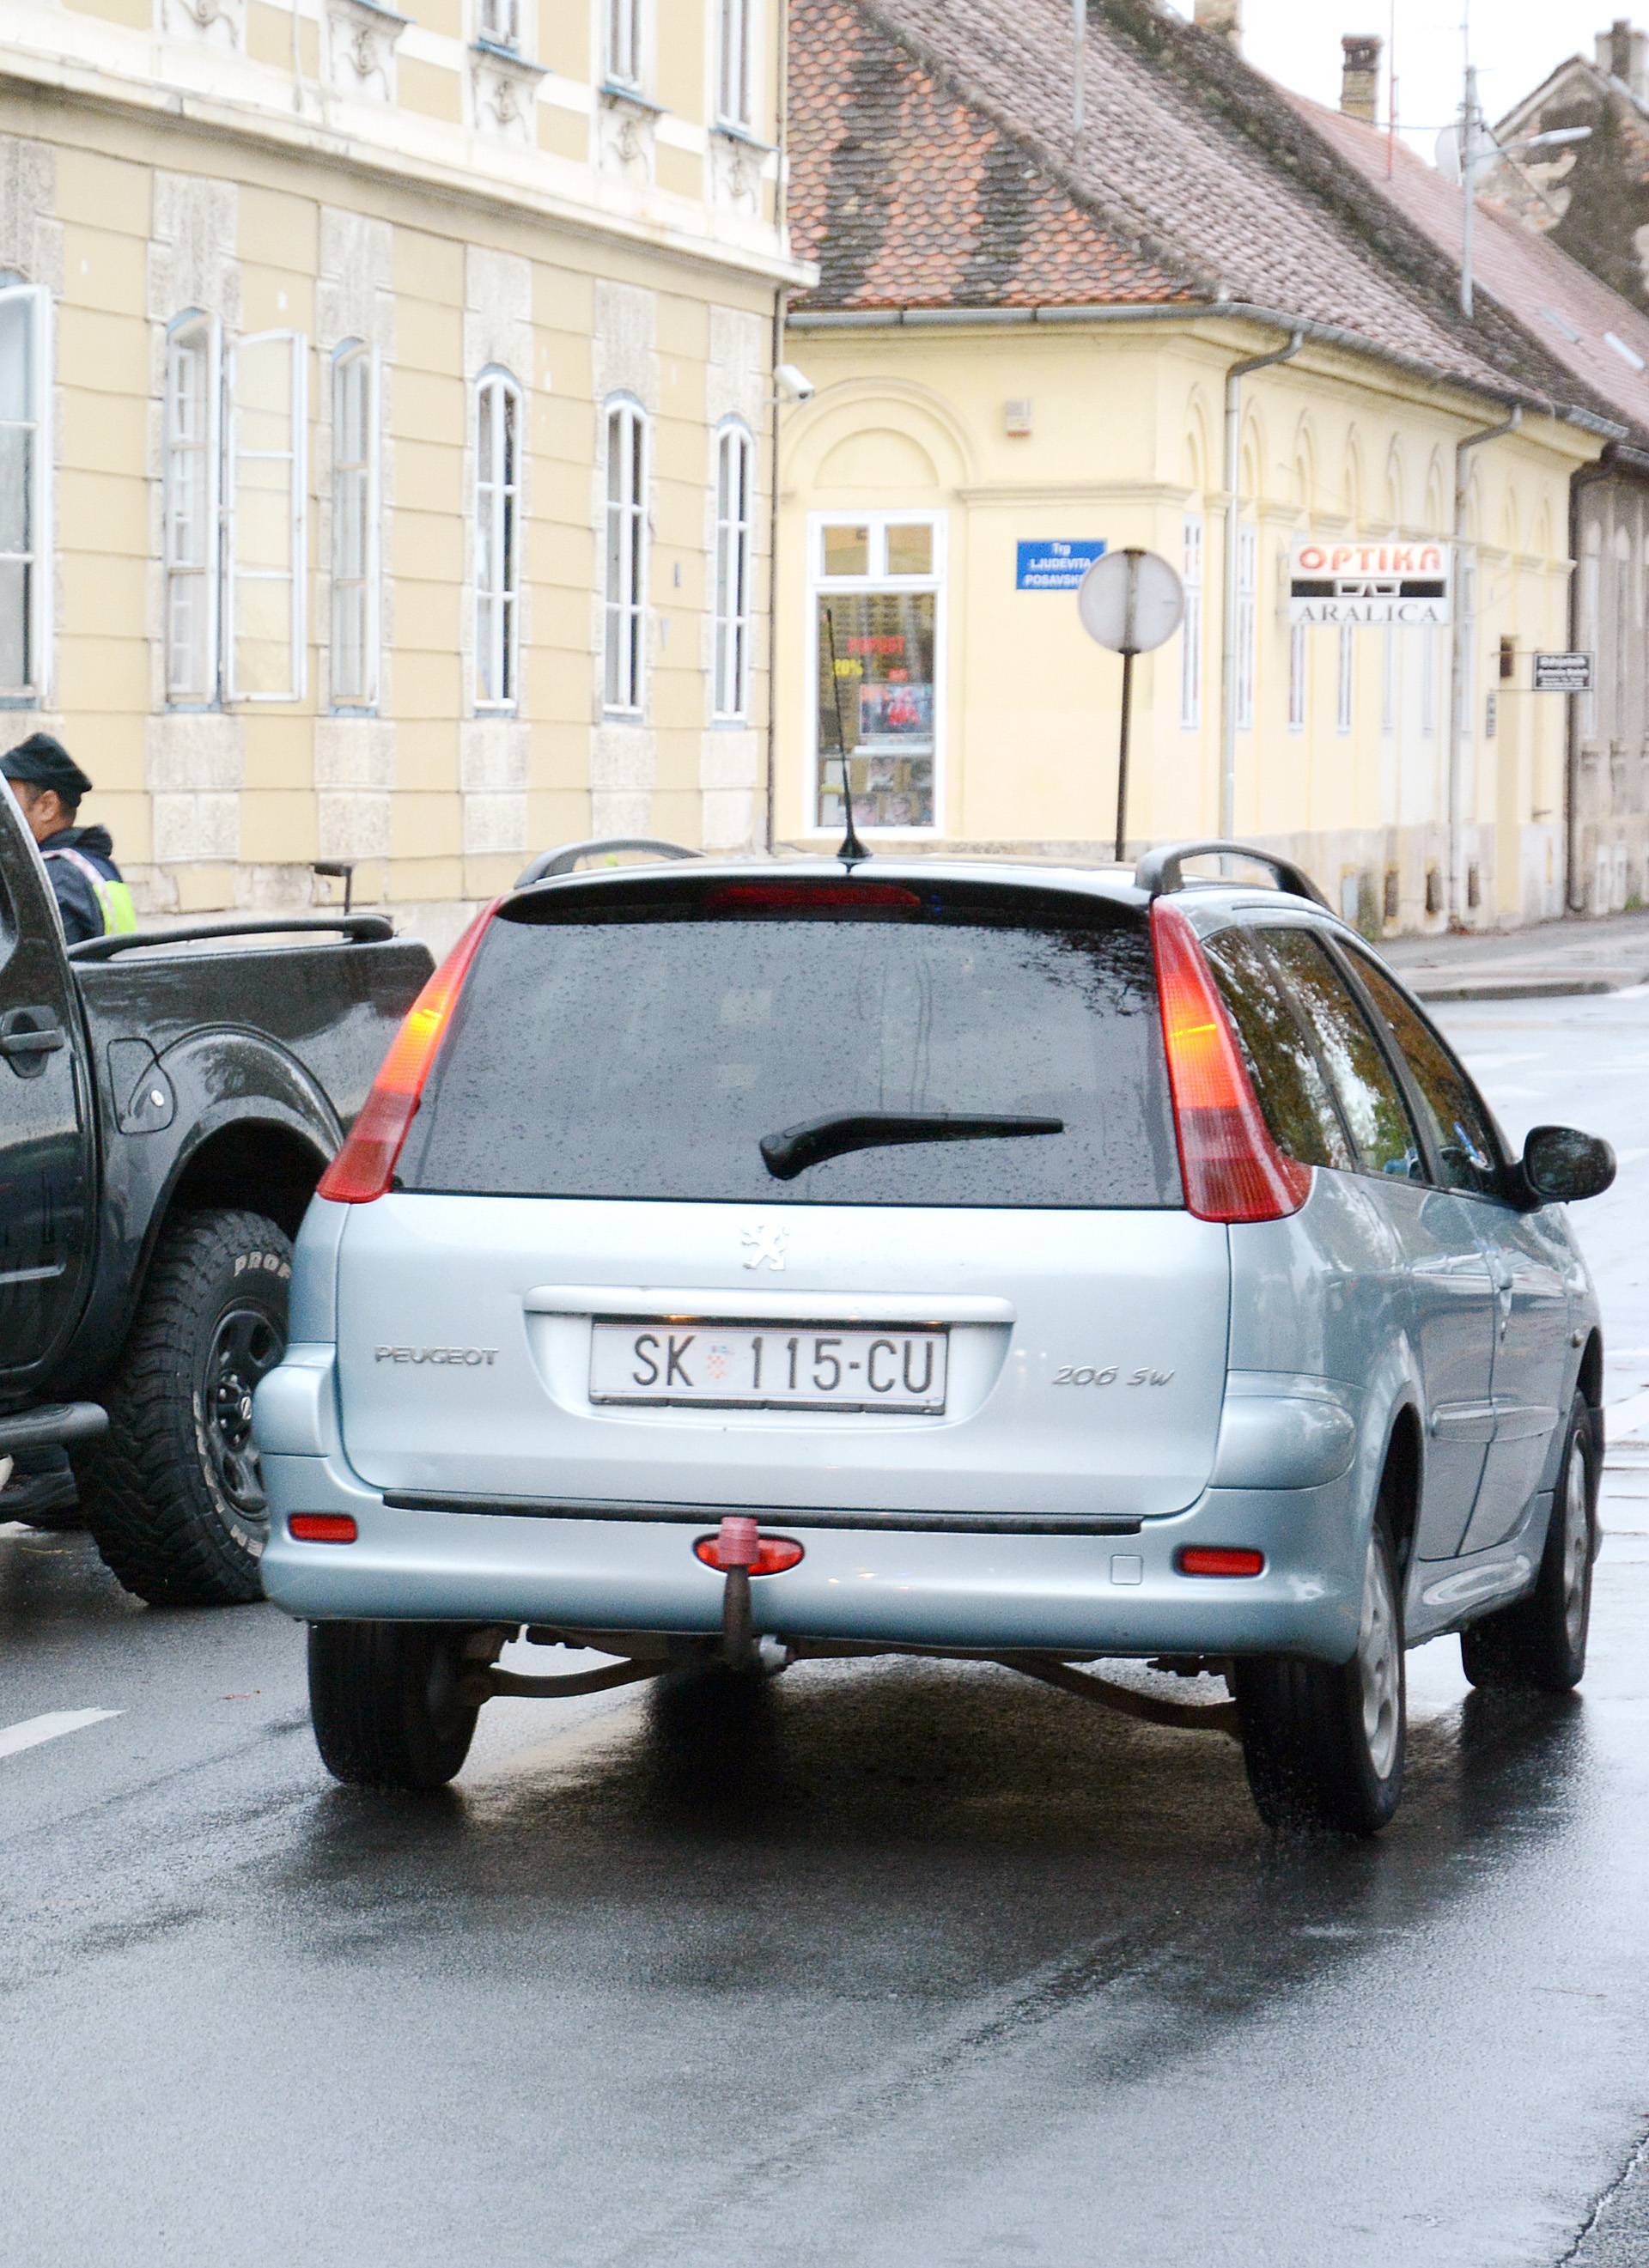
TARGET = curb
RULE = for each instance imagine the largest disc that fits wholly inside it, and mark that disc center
(1518, 988)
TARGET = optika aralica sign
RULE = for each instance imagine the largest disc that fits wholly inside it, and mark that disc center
(1369, 586)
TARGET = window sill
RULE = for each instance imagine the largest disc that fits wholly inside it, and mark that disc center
(22, 701)
(731, 131)
(732, 724)
(617, 96)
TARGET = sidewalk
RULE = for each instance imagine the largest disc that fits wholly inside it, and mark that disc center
(1544, 961)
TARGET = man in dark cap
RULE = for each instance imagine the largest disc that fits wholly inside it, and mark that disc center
(91, 898)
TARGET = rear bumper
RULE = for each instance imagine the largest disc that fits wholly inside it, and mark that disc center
(976, 1592)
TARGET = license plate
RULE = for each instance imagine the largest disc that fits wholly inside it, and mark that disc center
(737, 1366)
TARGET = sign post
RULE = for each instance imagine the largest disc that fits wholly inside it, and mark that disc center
(1130, 603)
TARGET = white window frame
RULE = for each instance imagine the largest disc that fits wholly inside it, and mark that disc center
(876, 578)
(499, 24)
(1428, 684)
(623, 35)
(38, 559)
(1345, 682)
(497, 522)
(735, 64)
(1247, 623)
(295, 457)
(626, 535)
(1192, 549)
(199, 688)
(351, 362)
(1298, 676)
(1591, 630)
(734, 569)
(1390, 681)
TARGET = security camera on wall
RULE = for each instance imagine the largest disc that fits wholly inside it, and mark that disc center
(793, 385)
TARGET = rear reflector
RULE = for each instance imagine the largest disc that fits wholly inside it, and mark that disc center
(1208, 1559)
(1233, 1171)
(775, 1555)
(364, 1166)
(321, 1528)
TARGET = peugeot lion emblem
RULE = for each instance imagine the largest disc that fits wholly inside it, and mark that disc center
(764, 1247)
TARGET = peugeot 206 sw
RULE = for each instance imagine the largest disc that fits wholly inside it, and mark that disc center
(737, 1264)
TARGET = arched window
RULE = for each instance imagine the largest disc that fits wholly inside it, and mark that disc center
(626, 619)
(735, 531)
(498, 539)
(355, 525)
(25, 578)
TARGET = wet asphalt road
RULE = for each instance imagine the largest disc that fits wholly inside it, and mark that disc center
(966, 1974)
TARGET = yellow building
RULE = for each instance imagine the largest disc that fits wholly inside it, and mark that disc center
(1028, 342)
(388, 412)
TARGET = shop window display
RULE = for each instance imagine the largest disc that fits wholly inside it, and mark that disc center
(877, 614)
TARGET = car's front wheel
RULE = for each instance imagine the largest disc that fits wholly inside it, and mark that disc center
(1324, 1745)
(385, 1698)
(1540, 1642)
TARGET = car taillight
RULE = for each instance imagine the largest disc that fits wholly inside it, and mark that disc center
(1233, 1171)
(364, 1167)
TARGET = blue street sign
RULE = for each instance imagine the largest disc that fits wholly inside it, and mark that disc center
(1057, 566)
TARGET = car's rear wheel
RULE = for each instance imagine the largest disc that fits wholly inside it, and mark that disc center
(1324, 1745)
(172, 1493)
(1540, 1644)
(384, 1697)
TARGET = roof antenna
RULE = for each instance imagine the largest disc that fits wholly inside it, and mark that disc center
(852, 853)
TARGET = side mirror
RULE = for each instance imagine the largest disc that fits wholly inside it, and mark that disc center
(1562, 1167)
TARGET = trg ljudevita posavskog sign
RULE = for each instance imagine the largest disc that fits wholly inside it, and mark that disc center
(1364, 585)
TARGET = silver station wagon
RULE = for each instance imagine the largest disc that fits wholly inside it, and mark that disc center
(737, 1264)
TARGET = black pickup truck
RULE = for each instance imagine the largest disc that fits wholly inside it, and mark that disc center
(168, 1102)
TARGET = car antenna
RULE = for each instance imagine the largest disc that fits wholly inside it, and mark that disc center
(852, 853)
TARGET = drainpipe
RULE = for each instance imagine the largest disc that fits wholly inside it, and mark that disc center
(1573, 902)
(1234, 377)
(1458, 721)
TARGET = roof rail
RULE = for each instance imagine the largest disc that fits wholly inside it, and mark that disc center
(566, 859)
(1161, 870)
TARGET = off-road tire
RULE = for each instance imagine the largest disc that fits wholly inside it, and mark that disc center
(1319, 1753)
(1539, 1644)
(155, 1500)
(383, 1697)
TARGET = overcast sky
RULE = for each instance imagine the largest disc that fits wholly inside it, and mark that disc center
(1514, 44)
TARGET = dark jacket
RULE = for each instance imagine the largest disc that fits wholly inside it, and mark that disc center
(76, 901)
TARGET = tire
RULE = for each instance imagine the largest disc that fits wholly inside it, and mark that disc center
(1324, 1746)
(384, 1701)
(1539, 1644)
(173, 1494)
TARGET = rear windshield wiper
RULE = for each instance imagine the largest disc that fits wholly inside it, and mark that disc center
(798, 1147)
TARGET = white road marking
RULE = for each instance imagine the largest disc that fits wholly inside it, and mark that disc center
(33, 1730)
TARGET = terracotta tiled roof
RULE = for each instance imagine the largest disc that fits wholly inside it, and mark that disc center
(908, 196)
(934, 164)
(1534, 279)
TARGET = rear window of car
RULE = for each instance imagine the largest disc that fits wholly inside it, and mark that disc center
(636, 1042)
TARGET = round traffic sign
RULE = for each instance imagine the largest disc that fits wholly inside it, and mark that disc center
(1131, 601)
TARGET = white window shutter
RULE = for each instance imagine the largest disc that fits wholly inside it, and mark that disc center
(26, 507)
(265, 523)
